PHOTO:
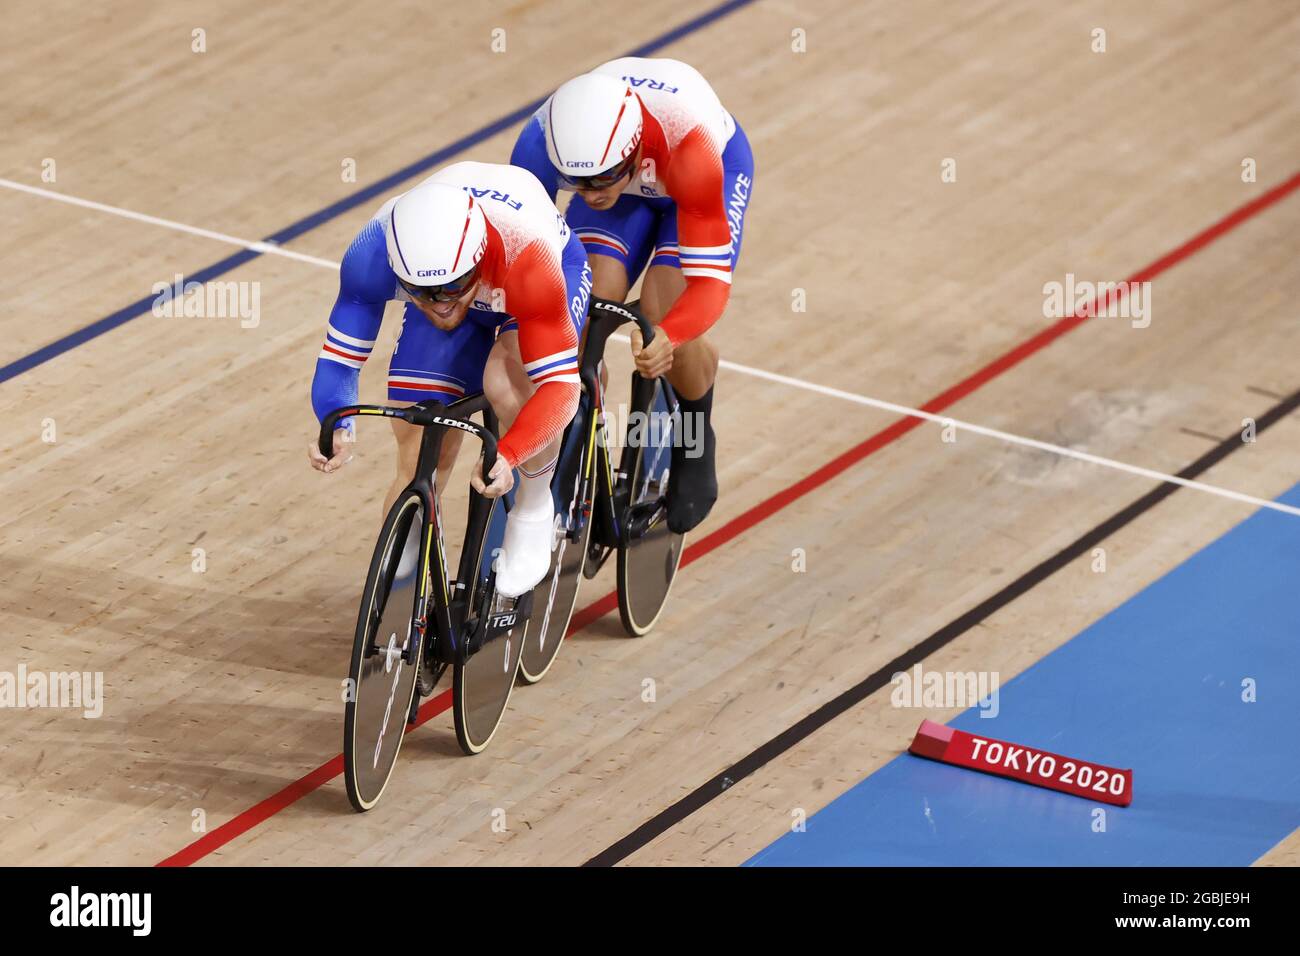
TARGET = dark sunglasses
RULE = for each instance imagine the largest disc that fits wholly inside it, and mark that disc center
(602, 180)
(445, 292)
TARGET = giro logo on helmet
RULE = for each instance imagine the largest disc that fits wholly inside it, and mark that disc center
(436, 237)
(593, 125)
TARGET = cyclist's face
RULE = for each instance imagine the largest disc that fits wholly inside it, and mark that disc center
(604, 198)
(448, 315)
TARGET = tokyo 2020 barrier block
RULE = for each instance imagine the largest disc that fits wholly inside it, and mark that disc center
(1082, 778)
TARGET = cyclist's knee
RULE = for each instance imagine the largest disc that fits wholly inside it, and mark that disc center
(609, 278)
(712, 356)
(695, 367)
(660, 289)
(449, 450)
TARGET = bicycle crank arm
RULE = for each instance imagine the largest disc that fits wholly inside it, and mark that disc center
(643, 517)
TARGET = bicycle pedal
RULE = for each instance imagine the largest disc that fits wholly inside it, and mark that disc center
(597, 555)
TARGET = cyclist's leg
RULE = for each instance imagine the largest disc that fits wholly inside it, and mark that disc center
(695, 363)
(526, 549)
(618, 242)
(692, 480)
(430, 363)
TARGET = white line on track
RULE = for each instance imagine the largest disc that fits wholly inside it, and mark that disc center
(250, 244)
(1013, 439)
(904, 410)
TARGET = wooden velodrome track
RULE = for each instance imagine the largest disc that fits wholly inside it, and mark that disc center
(222, 687)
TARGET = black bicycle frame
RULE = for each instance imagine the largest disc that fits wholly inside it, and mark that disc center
(606, 318)
(450, 613)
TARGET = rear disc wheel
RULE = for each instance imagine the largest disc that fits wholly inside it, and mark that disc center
(648, 560)
(483, 680)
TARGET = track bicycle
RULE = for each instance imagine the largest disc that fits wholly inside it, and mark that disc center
(415, 620)
(601, 512)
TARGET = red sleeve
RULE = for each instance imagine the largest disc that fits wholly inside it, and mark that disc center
(703, 238)
(548, 344)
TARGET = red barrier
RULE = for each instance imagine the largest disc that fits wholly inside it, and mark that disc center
(1082, 778)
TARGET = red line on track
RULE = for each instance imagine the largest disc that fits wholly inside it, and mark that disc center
(326, 772)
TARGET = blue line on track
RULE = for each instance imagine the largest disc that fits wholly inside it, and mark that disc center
(365, 194)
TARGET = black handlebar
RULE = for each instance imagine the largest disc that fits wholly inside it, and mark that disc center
(431, 414)
(423, 415)
(624, 313)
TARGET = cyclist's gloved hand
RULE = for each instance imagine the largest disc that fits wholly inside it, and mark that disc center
(652, 360)
(502, 475)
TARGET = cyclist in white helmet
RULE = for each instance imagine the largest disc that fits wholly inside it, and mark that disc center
(663, 175)
(496, 288)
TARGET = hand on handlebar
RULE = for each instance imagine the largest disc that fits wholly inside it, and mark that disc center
(502, 475)
(655, 359)
(343, 442)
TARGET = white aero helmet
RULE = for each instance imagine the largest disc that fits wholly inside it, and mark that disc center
(593, 127)
(437, 235)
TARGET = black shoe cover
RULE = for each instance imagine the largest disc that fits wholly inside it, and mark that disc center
(693, 482)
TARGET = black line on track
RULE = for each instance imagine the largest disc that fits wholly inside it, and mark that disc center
(788, 738)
